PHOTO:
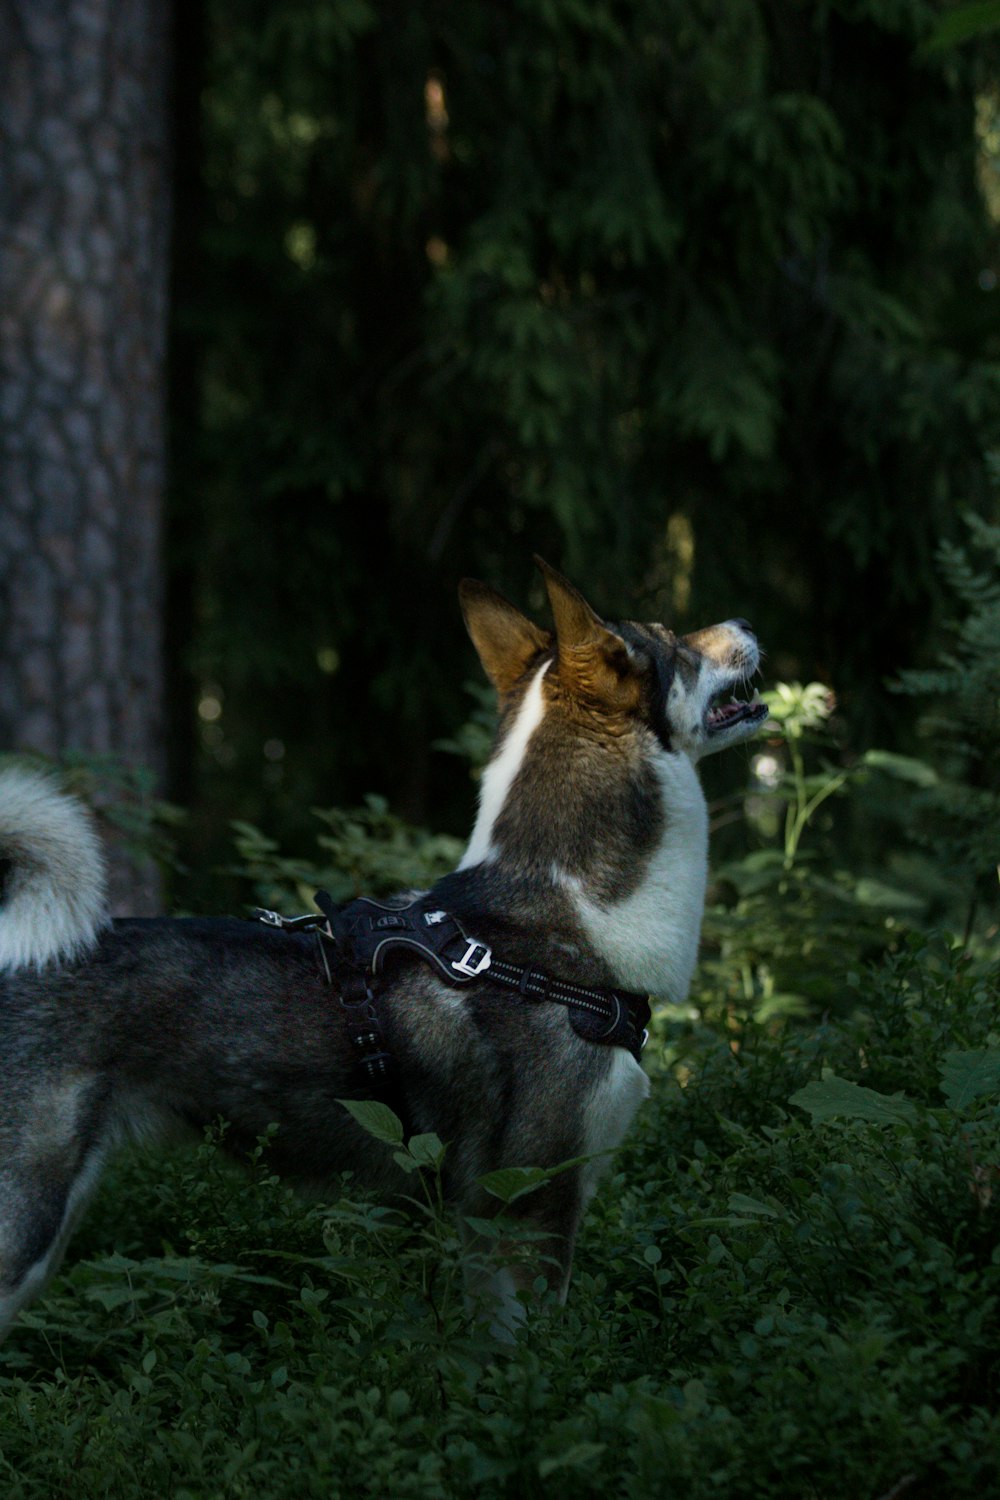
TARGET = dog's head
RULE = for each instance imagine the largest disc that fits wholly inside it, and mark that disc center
(616, 676)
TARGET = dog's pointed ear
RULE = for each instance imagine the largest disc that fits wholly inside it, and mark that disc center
(506, 640)
(594, 662)
(576, 622)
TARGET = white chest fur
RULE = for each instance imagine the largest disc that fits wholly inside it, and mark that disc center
(609, 1112)
(650, 940)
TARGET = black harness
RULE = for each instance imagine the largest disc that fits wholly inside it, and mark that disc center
(356, 940)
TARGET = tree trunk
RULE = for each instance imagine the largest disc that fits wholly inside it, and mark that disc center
(84, 217)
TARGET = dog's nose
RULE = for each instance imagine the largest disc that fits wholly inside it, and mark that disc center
(744, 625)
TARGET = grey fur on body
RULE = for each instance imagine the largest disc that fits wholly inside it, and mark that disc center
(587, 860)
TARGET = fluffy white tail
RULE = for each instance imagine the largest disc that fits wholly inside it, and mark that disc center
(52, 902)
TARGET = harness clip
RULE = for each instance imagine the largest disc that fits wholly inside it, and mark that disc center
(474, 961)
(307, 923)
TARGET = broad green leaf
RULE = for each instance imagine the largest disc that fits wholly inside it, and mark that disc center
(509, 1183)
(883, 897)
(377, 1119)
(903, 767)
(513, 1182)
(490, 1229)
(739, 1203)
(404, 1160)
(969, 1075)
(781, 1003)
(109, 1297)
(962, 23)
(695, 1394)
(834, 1098)
(573, 1458)
(426, 1150)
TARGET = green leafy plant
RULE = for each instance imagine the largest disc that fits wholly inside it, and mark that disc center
(473, 740)
(365, 851)
(954, 803)
(800, 712)
(788, 924)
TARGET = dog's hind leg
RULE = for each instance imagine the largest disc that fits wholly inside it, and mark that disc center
(37, 1220)
(52, 1148)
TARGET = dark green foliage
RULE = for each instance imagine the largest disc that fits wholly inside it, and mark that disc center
(366, 851)
(683, 298)
(962, 806)
(951, 806)
(790, 927)
(965, 21)
(788, 1287)
(787, 926)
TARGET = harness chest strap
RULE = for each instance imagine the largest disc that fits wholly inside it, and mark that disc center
(355, 940)
(615, 1017)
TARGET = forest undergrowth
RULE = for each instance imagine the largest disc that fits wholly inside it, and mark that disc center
(788, 1285)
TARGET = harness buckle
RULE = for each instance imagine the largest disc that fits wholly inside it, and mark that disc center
(475, 960)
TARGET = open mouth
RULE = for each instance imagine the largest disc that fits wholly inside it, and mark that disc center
(727, 715)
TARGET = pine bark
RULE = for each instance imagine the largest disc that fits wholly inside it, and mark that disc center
(84, 219)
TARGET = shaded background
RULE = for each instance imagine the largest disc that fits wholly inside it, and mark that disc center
(696, 300)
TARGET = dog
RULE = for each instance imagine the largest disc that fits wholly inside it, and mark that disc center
(585, 873)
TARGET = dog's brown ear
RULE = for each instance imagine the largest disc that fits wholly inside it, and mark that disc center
(576, 622)
(506, 640)
(594, 662)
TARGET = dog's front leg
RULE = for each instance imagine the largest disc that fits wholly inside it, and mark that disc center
(502, 1271)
